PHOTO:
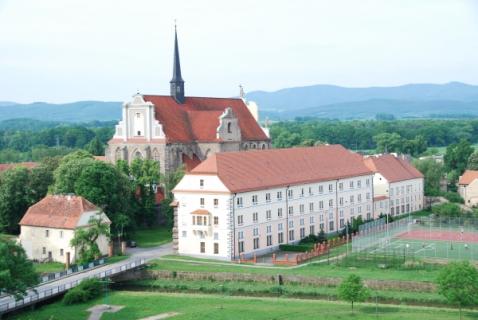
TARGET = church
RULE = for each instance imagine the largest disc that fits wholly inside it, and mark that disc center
(177, 130)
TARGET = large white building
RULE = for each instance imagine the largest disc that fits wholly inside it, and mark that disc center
(48, 226)
(251, 202)
(398, 186)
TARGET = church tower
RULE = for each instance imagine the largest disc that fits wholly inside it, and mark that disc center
(177, 82)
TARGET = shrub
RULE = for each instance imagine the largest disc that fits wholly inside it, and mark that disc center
(295, 247)
(453, 197)
(87, 289)
(447, 209)
(311, 238)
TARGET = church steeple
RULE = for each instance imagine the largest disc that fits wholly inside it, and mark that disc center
(177, 82)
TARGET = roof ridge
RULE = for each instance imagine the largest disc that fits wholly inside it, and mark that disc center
(166, 95)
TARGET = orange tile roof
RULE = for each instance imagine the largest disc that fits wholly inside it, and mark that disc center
(468, 177)
(380, 198)
(28, 165)
(190, 163)
(100, 158)
(200, 211)
(198, 118)
(394, 169)
(57, 211)
(261, 169)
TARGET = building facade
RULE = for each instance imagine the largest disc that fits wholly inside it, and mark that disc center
(249, 203)
(178, 130)
(468, 187)
(397, 182)
(48, 226)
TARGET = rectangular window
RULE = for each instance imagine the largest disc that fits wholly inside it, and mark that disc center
(311, 207)
(216, 220)
(321, 217)
(255, 232)
(291, 224)
(331, 187)
(290, 194)
(321, 226)
(61, 234)
(280, 237)
(256, 243)
(279, 195)
(367, 182)
(216, 248)
(268, 214)
(269, 229)
(359, 198)
(392, 211)
(291, 235)
(279, 227)
(61, 252)
(185, 234)
(331, 203)
(341, 213)
(240, 219)
(302, 233)
(216, 203)
(194, 220)
(341, 201)
(341, 223)
(201, 183)
(291, 210)
(268, 197)
(47, 233)
(255, 216)
(312, 219)
(331, 226)
(359, 183)
(269, 240)
(279, 212)
(352, 199)
(240, 235)
(310, 191)
(302, 192)
(312, 229)
(331, 215)
(321, 204)
(241, 246)
(321, 189)
(254, 199)
(202, 247)
(341, 186)
(216, 236)
(239, 202)
(302, 222)
(359, 209)
(301, 208)
(201, 202)
(368, 195)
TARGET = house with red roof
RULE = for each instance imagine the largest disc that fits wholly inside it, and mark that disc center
(468, 187)
(246, 203)
(48, 226)
(398, 186)
(178, 130)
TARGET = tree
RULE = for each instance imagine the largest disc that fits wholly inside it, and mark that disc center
(85, 239)
(16, 271)
(14, 198)
(447, 209)
(41, 178)
(321, 236)
(458, 283)
(352, 290)
(388, 142)
(69, 169)
(95, 147)
(456, 156)
(433, 172)
(473, 161)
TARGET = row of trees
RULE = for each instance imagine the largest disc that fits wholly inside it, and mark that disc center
(410, 136)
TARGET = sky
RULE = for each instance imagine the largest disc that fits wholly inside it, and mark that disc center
(63, 51)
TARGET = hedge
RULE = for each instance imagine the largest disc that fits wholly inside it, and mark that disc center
(296, 247)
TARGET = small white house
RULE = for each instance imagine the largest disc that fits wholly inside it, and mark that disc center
(49, 225)
(468, 187)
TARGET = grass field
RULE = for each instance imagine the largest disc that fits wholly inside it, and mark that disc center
(147, 238)
(369, 271)
(190, 306)
(49, 267)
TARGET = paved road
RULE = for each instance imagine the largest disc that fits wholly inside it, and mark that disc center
(135, 254)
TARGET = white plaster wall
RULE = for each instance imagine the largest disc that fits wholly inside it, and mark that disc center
(470, 193)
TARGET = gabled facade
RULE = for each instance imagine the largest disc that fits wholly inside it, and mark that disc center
(251, 202)
(48, 226)
(397, 182)
(176, 129)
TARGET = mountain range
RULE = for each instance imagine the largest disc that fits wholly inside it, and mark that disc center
(450, 100)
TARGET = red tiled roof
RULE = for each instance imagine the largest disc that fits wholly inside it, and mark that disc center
(200, 211)
(468, 177)
(198, 118)
(392, 168)
(100, 158)
(380, 198)
(28, 165)
(57, 211)
(261, 169)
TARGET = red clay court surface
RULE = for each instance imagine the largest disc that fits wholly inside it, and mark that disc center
(443, 235)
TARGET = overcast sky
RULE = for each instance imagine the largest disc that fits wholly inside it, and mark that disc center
(68, 50)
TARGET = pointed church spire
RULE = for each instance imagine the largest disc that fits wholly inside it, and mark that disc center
(177, 82)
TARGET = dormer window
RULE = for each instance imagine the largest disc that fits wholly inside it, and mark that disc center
(229, 129)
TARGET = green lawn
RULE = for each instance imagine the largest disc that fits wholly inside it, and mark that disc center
(146, 238)
(49, 267)
(369, 271)
(114, 259)
(189, 306)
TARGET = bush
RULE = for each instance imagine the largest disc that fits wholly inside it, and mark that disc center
(311, 238)
(87, 289)
(453, 197)
(447, 209)
(295, 247)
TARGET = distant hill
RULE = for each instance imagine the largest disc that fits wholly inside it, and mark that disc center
(82, 111)
(327, 101)
(449, 100)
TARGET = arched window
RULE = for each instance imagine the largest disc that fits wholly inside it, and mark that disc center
(263, 146)
(156, 155)
(246, 147)
(138, 155)
(229, 129)
(253, 146)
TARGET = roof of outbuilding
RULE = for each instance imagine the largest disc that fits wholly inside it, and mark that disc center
(28, 165)
(57, 211)
(393, 168)
(261, 169)
(198, 118)
(468, 177)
